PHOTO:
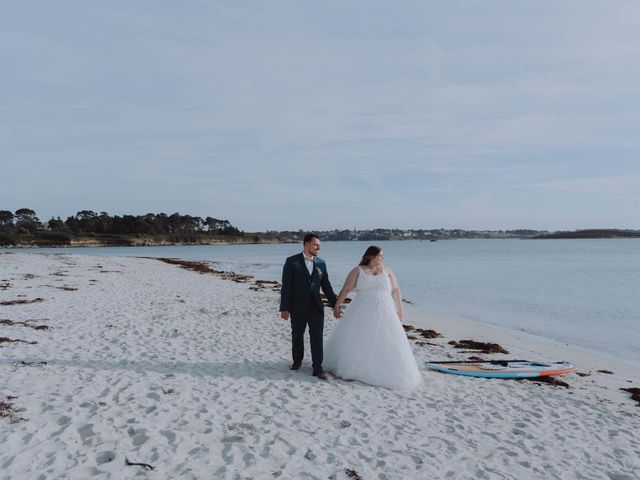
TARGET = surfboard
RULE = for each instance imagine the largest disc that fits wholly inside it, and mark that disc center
(503, 368)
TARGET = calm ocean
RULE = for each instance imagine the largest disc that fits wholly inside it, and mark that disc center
(583, 292)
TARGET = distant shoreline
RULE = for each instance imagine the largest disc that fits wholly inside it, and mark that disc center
(55, 239)
(594, 233)
(95, 243)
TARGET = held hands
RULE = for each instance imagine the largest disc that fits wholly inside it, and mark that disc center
(284, 315)
(337, 312)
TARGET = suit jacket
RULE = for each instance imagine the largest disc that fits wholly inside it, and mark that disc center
(301, 291)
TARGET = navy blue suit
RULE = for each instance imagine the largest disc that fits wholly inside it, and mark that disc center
(300, 296)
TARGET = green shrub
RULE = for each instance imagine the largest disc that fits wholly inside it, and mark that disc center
(54, 238)
(7, 239)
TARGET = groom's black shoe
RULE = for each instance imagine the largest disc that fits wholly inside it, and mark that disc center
(296, 365)
(321, 375)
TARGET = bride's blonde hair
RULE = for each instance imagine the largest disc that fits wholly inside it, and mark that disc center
(370, 254)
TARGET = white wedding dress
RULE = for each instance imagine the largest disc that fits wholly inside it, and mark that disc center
(368, 343)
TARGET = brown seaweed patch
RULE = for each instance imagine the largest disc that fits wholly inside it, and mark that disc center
(351, 473)
(28, 323)
(549, 380)
(608, 372)
(21, 302)
(635, 393)
(11, 340)
(475, 358)
(479, 346)
(7, 410)
(426, 333)
(259, 285)
(22, 363)
(202, 267)
(272, 285)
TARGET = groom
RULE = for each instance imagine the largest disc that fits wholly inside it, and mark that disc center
(302, 277)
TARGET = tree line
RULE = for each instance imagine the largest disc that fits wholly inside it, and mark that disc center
(23, 225)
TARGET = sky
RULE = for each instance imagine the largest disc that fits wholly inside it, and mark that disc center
(319, 115)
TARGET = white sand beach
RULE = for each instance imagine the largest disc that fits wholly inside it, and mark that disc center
(146, 362)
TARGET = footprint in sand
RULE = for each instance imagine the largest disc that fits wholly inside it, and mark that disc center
(86, 432)
(105, 457)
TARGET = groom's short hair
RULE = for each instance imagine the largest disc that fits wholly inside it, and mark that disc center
(310, 236)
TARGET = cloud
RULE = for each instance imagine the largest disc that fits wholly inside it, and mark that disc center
(291, 115)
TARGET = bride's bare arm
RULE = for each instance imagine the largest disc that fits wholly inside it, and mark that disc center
(349, 284)
(395, 293)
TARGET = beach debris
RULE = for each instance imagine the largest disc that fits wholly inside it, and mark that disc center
(608, 372)
(4, 321)
(28, 276)
(5, 285)
(583, 374)
(408, 328)
(59, 274)
(10, 340)
(138, 464)
(344, 424)
(549, 380)
(635, 393)
(480, 346)
(411, 337)
(21, 302)
(408, 301)
(351, 473)
(424, 344)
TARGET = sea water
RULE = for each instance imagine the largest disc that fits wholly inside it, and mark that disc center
(582, 292)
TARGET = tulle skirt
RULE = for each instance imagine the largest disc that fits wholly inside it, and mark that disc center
(369, 344)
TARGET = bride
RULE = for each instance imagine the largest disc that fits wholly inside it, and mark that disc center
(369, 343)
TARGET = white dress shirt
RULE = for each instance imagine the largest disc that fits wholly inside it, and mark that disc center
(308, 261)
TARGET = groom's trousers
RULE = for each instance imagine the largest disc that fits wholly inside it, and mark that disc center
(299, 321)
